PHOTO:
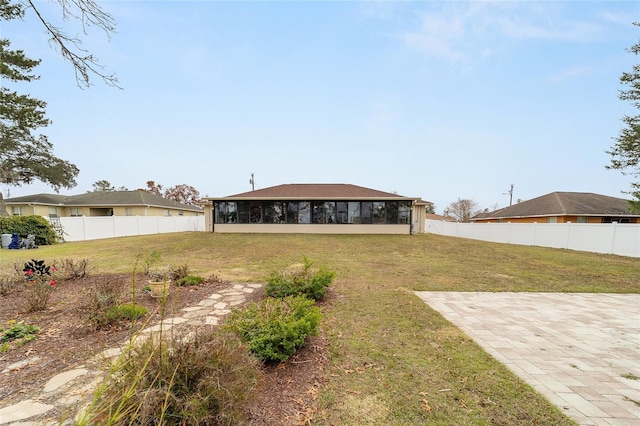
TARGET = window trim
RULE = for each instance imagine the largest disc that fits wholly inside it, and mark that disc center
(312, 212)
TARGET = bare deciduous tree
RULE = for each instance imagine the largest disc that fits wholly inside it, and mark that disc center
(462, 210)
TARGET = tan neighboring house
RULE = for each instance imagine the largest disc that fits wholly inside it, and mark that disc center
(433, 216)
(564, 207)
(316, 208)
(99, 203)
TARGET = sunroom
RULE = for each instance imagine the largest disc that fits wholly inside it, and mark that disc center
(316, 208)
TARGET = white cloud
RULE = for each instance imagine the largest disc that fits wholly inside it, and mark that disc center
(466, 31)
(570, 73)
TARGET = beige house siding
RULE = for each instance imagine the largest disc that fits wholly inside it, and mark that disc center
(418, 216)
(63, 211)
(27, 209)
(100, 204)
(258, 228)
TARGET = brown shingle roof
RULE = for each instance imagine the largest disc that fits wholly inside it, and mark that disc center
(104, 198)
(37, 199)
(563, 204)
(317, 191)
(433, 216)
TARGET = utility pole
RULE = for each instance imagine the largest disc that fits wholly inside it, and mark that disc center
(510, 195)
(252, 182)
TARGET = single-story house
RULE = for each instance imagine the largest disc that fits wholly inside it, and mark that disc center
(99, 203)
(433, 216)
(316, 208)
(564, 207)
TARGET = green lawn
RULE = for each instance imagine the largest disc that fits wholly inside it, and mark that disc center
(394, 360)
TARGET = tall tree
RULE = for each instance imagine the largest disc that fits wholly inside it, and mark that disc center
(184, 194)
(154, 188)
(103, 186)
(26, 155)
(462, 210)
(626, 151)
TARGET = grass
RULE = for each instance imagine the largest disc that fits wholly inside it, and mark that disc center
(394, 360)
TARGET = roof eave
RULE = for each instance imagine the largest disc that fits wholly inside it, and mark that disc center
(557, 215)
(309, 198)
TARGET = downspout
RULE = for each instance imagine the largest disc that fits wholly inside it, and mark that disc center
(413, 203)
(213, 216)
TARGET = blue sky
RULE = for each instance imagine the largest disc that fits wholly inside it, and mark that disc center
(430, 99)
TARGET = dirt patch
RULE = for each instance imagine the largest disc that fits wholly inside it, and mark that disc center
(67, 338)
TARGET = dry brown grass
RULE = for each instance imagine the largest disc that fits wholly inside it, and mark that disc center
(393, 359)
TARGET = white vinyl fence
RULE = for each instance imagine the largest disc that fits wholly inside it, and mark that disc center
(610, 238)
(98, 227)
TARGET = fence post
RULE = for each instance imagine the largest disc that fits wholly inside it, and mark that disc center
(84, 228)
(613, 237)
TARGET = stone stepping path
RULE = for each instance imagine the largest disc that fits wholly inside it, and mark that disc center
(64, 393)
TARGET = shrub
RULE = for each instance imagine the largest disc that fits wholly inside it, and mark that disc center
(41, 284)
(215, 279)
(126, 311)
(105, 297)
(26, 225)
(150, 259)
(9, 281)
(190, 280)
(274, 329)
(201, 379)
(159, 274)
(180, 272)
(306, 281)
(72, 268)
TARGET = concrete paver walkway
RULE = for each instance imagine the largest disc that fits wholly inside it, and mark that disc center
(64, 394)
(581, 351)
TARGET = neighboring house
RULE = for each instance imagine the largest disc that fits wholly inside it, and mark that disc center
(433, 216)
(316, 208)
(99, 203)
(564, 207)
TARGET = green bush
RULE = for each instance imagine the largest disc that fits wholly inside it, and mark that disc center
(274, 329)
(26, 225)
(306, 281)
(190, 280)
(126, 311)
(104, 299)
(198, 379)
(180, 272)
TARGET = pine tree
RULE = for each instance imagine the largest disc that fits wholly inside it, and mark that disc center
(626, 152)
(25, 155)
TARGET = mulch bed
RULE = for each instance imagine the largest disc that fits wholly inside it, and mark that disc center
(287, 396)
